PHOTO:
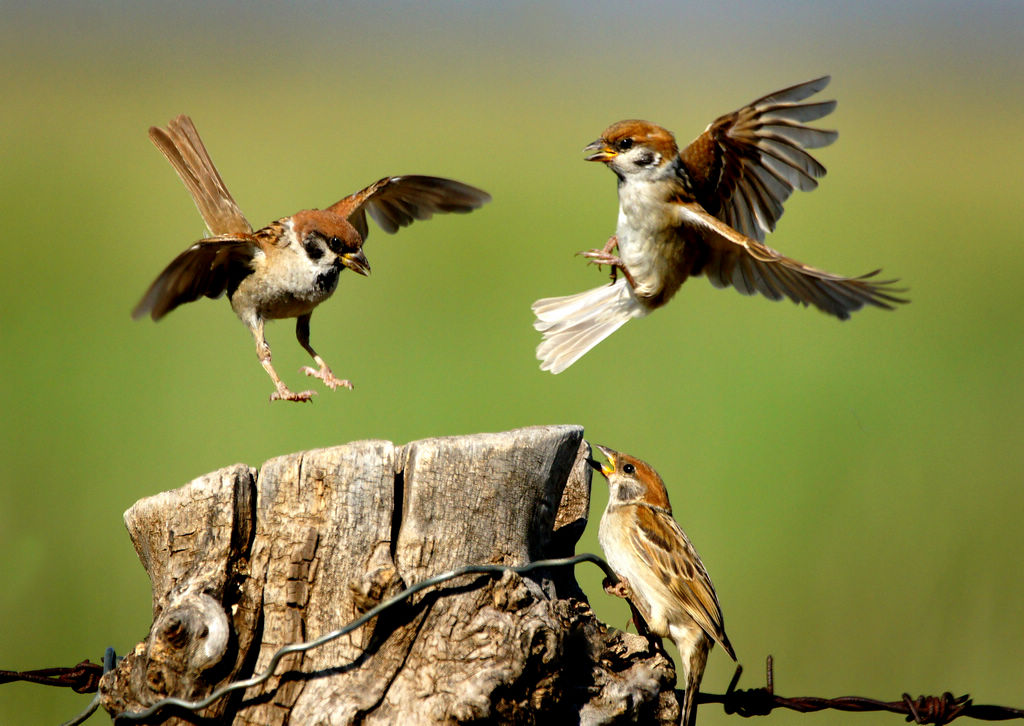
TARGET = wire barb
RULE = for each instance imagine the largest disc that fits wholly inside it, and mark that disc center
(81, 678)
(938, 710)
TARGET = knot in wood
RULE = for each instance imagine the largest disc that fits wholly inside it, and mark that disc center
(175, 631)
(192, 633)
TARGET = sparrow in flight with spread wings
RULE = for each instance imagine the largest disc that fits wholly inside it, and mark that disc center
(705, 211)
(287, 268)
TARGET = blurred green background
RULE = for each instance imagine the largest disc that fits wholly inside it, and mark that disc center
(854, 488)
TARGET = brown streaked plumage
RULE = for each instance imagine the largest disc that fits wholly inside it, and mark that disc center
(287, 268)
(660, 572)
(705, 211)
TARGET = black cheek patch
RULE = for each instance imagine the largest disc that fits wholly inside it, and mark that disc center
(328, 279)
(313, 250)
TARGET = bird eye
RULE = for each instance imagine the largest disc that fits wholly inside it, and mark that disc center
(625, 144)
(629, 469)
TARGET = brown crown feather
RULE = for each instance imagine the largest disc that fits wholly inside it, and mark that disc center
(644, 133)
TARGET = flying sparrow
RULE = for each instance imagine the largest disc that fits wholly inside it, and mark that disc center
(287, 268)
(704, 211)
(659, 570)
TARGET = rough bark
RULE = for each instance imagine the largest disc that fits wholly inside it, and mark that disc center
(243, 563)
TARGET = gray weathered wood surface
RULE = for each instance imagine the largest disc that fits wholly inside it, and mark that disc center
(243, 562)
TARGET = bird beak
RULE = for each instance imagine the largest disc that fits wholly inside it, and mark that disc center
(356, 261)
(605, 469)
(603, 152)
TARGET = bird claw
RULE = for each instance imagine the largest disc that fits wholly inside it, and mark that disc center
(604, 257)
(329, 379)
(619, 588)
(601, 257)
(283, 394)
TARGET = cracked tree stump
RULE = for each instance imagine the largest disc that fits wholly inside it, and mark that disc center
(244, 562)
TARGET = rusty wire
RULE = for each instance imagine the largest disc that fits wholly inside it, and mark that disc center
(938, 710)
(81, 678)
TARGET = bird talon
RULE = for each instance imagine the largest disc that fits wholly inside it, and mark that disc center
(329, 379)
(604, 257)
(618, 588)
(284, 394)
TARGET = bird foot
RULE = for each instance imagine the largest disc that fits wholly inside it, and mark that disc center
(605, 257)
(619, 588)
(283, 394)
(329, 379)
(601, 257)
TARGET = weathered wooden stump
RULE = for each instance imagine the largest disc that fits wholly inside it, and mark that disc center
(244, 562)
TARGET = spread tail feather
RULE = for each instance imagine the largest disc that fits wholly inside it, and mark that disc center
(181, 145)
(574, 324)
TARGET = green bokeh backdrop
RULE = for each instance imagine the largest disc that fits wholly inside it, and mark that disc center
(853, 488)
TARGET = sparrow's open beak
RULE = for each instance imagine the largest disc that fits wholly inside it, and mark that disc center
(602, 152)
(356, 261)
(605, 469)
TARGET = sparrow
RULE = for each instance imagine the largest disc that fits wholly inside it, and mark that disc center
(704, 211)
(659, 571)
(287, 268)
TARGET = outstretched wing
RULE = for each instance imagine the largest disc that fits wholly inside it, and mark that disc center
(747, 163)
(661, 542)
(209, 267)
(397, 201)
(729, 258)
(181, 144)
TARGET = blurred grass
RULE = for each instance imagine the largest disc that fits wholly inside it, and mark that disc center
(853, 488)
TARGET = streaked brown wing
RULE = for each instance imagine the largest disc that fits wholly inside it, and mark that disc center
(181, 144)
(660, 540)
(729, 258)
(209, 267)
(747, 163)
(398, 201)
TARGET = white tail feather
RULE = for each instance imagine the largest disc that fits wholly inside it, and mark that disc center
(574, 324)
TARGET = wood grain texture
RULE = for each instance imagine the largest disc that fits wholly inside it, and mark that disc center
(242, 564)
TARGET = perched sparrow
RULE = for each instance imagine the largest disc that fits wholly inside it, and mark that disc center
(704, 211)
(292, 265)
(659, 571)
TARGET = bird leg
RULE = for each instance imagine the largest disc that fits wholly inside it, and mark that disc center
(263, 353)
(324, 373)
(621, 588)
(604, 256)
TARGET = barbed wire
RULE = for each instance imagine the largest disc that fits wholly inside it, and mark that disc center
(938, 710)
(81, 678)
(110, 660)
